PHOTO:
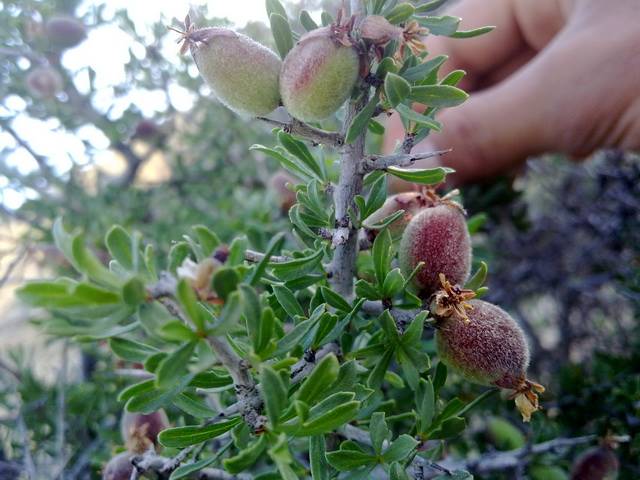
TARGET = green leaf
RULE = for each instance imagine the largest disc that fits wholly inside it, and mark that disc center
(274, 393)
(211, 379)
(451, 427)
(412, 116)
(330, 420)
(64, 241)
(326, 18)
(175, 330)
(429, 6)
(360, 121)
(174, 366)
(274, 6)
(118, 243)
(274, 245)
(177, 255)
(307, 22)
(317, 458)
(187, 470)
(282, 35)
(396, 88)
(134, 292)
(335, 299)
(440, 96)
(297, 168)
(207, 239)
(321, 378)
(193, 405)
(439, 378)
(149, 401)
(189, 302)
(378, 431)
(224, 281)
(397, 472)
(230, 315)
(246, 457)
(136, 389)
(425, 69)
(181, 437)
(131, 350)
(445, 25)
(428, 176)
(393, 283)
(297, 267)
(299, 150)
(381, 255)
(399, 449)
(453, 78)
(476, 222)
(400, 13)
(89, 264)
(288, 301)
(377, 374)
(472, 33)
(478, 278)
(425, 404)
(348, 460)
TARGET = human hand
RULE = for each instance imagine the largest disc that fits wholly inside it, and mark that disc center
(554, 76)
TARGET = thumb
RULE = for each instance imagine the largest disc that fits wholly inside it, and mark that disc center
(496, 129)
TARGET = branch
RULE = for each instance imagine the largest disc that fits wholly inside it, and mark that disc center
(382, 162)
(307, 132)
(402, 317)
(41, 160)
(255, 257)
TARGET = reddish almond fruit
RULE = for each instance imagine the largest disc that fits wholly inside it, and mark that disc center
(140, 431)
(242, 73)
(410, 202)
(484, 344)
(598, 463)
(65, 32)
(319, 74)
(437, 236)
(282, 185)
(119, 467)
(44, 82)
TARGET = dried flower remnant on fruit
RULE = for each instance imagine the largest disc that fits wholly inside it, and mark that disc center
(437, 236)
(119, 467)
(319, 73)
(65, 32)
(242, 73)
(484, 344)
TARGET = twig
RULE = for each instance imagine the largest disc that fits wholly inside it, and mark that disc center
(14, 263)
(29, 466)
(60, 421)
(382, 162)
(255, 257)
(135, 373)
(314, 135)
(401, 317)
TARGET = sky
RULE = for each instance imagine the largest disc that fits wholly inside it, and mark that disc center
(107, 49)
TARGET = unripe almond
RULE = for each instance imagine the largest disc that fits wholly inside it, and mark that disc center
(242, 73)
(318, 75)
(598, 463)
(484, 344)
(140, 431)
(410, 202)
(44, 82)
(437, 236)
(378, 30)
(119, 467)
(65, 32)
(282, 183)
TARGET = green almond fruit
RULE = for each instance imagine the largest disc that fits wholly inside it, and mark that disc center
(318, 75)
(242, 73)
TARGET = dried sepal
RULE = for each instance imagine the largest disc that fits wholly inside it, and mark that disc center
(526, 399)
(452, 300)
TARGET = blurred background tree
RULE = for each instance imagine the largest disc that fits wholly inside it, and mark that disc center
(147, 147)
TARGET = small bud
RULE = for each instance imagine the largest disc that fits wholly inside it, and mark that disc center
(65, 32)
(119, 467)
(199, 274)
(140, 431)
(437, 236)
(44, 82)
(319, 74)
(378, 30)
(242, 73)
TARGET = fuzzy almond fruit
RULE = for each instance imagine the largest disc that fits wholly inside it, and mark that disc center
(318, 75)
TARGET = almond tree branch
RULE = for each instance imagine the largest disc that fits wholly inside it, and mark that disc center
(307, 132)
(382, 162)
